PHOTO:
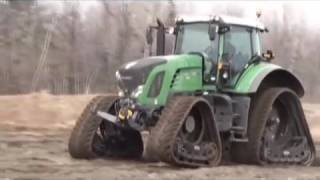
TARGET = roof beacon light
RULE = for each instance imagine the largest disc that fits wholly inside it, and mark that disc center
(258, 13)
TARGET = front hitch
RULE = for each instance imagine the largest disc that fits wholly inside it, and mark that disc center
(126, 118)
(109, 117)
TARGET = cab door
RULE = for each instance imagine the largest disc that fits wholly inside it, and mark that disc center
(238, 48)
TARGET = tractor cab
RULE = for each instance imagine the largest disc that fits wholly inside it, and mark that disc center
(226, 44)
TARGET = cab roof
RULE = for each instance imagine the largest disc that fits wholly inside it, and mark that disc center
(254, 23)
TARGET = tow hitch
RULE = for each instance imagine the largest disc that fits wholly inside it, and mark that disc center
(126, 118)
(109, 117)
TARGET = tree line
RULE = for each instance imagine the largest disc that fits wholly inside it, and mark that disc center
(71, 48)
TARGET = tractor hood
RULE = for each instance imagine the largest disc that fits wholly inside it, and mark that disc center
(132, 74)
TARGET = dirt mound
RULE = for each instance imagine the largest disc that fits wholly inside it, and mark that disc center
(40, 111)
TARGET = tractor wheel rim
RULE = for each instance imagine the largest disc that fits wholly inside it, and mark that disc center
(190, 124)
(192, 130)
(276, 130)
(272, 125)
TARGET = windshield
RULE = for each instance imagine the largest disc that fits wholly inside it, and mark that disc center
(192, 38)
(195, 38)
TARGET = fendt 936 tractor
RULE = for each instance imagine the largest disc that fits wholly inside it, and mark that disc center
(215, 97)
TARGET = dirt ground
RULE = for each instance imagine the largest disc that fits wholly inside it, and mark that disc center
(34, 130)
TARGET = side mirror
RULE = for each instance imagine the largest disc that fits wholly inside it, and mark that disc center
(268, 55)
(149, 37)
(212, 31)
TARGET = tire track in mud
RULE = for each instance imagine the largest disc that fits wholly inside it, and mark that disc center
(45, 156)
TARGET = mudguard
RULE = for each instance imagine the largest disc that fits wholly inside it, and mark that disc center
(258, 75)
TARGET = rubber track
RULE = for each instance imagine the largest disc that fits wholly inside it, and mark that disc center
(249, 152)
(151, 150)
(163, 136)
(81, 138)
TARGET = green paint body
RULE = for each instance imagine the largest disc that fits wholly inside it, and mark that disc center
(183, 73)
(249, 76)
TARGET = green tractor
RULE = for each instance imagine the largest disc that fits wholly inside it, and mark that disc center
(214, 97)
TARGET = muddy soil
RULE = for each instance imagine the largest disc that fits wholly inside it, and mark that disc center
(34, 130)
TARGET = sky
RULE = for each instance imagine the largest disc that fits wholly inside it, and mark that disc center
(310, 9)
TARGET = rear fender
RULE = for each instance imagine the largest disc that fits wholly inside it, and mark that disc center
(263, 75)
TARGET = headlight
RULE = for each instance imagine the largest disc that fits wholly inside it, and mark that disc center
(135, 93)
(120, 93)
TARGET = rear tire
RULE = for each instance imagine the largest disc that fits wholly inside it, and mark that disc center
(87, 142)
